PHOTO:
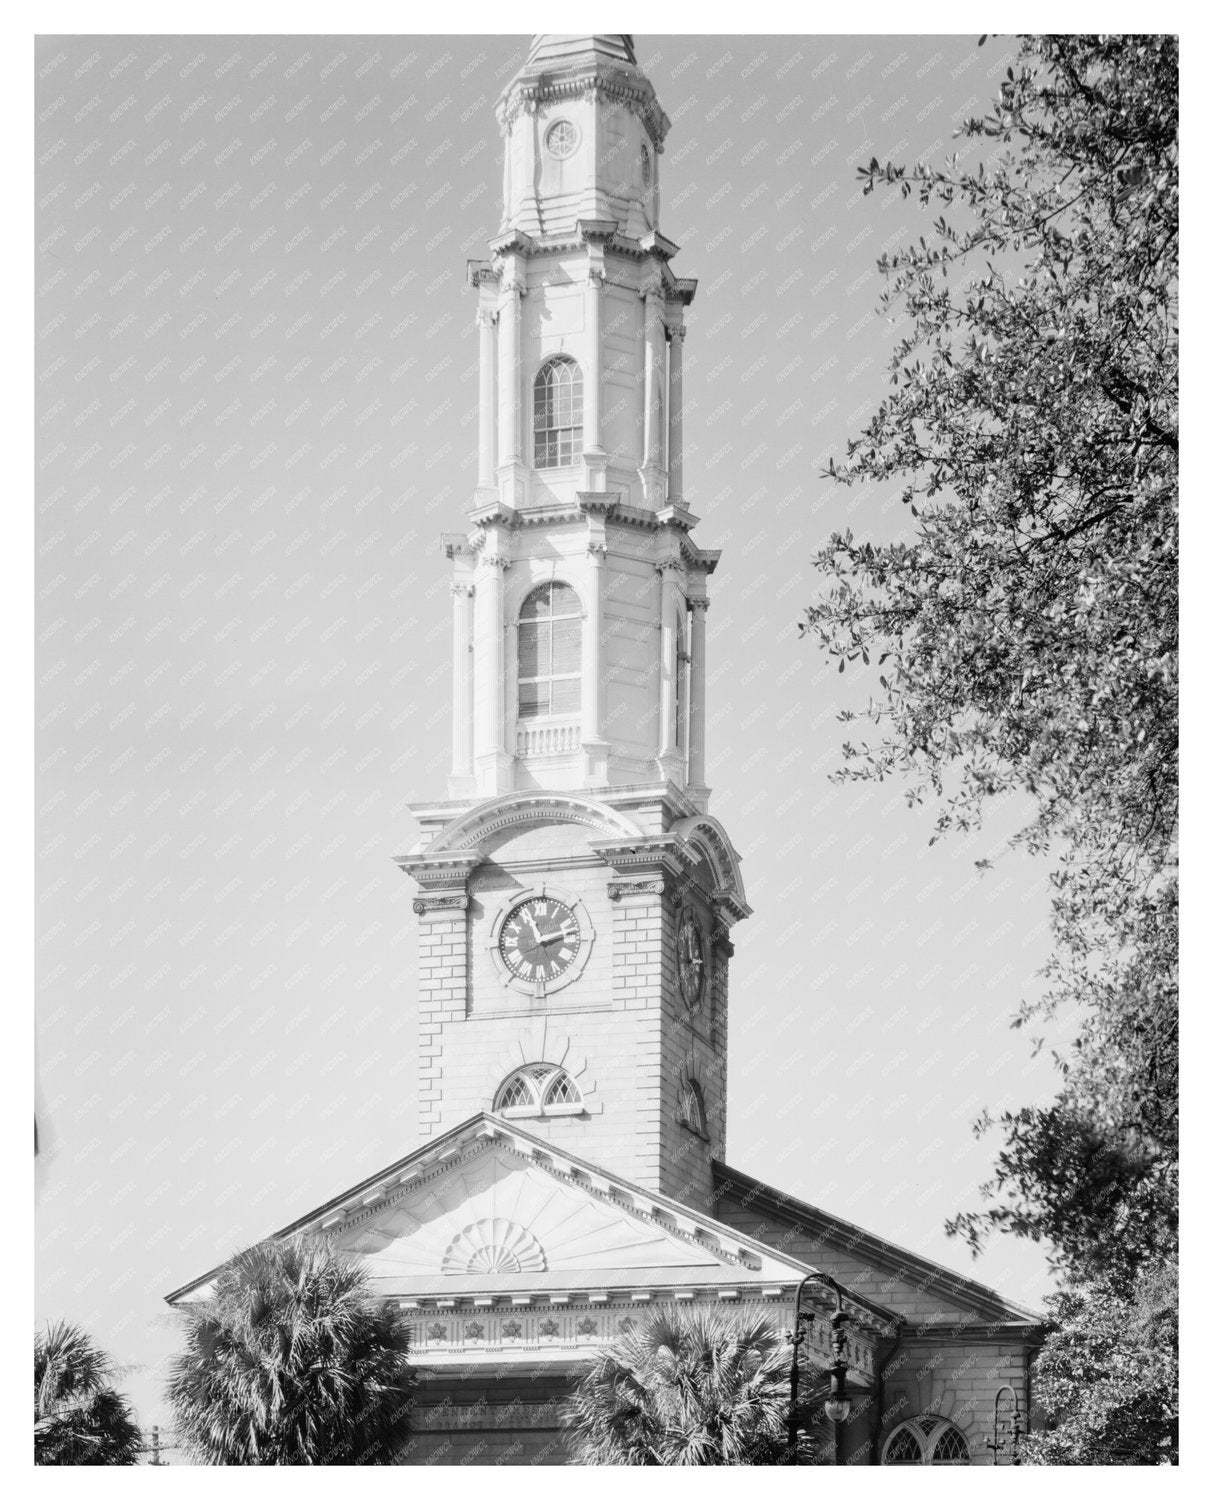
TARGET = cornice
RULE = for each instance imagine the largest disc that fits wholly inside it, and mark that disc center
(447, 869)
(677, 517)
(658, 246)
(884, 1254)
(596, 231)
(599, 502)
(527, 247)
(513, 241)
(495, 513)
(529, 91)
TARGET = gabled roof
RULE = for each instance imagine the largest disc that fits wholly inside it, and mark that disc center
(972, 1298)
(490, 1209)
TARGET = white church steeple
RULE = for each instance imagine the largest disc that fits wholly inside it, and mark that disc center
(579, 630)
(575, 897)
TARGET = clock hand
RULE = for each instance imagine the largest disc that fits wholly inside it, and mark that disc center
(531, 920)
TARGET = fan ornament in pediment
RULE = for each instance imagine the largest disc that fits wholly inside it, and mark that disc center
(493, 1247)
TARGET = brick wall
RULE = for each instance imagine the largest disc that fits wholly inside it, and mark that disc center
(621, 1027)
(958, 1379)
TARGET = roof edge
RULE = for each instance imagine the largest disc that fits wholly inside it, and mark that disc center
(886, 1254)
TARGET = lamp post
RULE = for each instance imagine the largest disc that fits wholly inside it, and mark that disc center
(838, 1403)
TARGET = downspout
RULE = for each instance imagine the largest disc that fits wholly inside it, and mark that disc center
(884, 1365)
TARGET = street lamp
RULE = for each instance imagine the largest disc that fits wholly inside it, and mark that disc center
(837, 1403)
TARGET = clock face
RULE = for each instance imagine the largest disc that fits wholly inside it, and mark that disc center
(539, 939)
(691, 968)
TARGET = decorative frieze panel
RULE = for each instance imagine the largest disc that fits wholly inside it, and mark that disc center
(572, 1332)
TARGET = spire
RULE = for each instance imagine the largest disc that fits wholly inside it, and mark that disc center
(561, 49)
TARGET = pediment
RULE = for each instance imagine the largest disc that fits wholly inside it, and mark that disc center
(503, 1247)
(496, 1219)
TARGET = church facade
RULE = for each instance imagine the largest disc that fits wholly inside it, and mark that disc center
(576, 899)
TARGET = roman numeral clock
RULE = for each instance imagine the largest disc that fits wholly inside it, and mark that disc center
(541, 941)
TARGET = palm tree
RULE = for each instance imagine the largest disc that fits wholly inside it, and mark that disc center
(689, 1388)
(79, 1418)
(292, 1360)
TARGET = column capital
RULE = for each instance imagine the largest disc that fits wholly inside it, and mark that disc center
(463, 590)
(434, 901)
(596, 552)
(699, 604)
(485, 317)
(677, 333)
(669, 565)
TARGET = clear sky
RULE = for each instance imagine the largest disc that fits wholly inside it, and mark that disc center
(256, 411)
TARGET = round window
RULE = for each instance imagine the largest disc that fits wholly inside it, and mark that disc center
(561, 139)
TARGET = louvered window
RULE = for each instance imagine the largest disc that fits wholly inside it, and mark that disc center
(558, 414)
(549, 652)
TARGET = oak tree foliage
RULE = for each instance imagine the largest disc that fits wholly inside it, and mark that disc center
(1024, 634)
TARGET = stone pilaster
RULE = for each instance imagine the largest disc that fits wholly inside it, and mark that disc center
(463, 707)
(677, 336)
(653, 472)
(697, 704)
(494, 765)
(670, 757)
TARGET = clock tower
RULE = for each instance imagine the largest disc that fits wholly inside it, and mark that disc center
(575, 895)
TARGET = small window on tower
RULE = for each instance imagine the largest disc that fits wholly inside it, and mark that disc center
(690, 1108)
(538, 1089)
(549, 652)
(562, 139)
(558, 414)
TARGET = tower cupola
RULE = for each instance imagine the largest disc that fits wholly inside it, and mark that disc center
(583, 132)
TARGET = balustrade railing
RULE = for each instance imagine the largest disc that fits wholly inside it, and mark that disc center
(535, 740)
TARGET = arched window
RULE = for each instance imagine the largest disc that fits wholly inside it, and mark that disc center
(926, 1440)
(690, 1108)
(538, 1089)
(549, 652)
(558, 414)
